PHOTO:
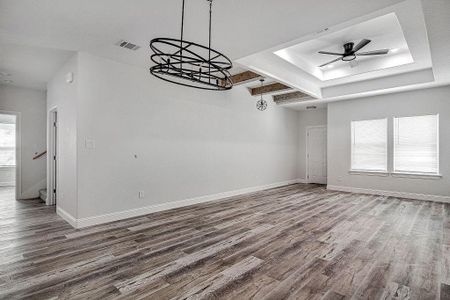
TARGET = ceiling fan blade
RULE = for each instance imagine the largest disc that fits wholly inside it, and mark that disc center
(360, 45)
(331, 53)
(330, 62)
(375, 52)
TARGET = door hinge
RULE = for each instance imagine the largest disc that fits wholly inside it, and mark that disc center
(54, 191)
(54, 157)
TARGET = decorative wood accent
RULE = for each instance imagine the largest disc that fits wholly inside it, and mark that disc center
(245, 77)
(292, 97)
(269, 88)
(299, 241)
(40, 155)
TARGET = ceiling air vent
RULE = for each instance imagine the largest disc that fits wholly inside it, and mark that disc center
(127, 45)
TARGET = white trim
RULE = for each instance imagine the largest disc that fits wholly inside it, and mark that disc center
(50, 153)
(416, 175)
(369, 173)
(66, 216)
(18, 166)
(306, 180)
(434, 198)
(396, 174)
(106, 218)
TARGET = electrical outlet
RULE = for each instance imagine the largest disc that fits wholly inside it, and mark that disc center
(141, 194)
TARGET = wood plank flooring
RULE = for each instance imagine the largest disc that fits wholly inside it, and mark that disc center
(294, 242)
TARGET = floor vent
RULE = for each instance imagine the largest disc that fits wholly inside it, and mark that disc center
(127, 45)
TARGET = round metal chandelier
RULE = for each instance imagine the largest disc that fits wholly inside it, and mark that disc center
(190, 64)
(261, 104)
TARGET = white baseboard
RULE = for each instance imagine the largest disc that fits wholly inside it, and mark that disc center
(434, 198)
(67, 217)
(106, 218)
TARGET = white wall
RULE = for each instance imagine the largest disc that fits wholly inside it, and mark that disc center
(307, 118)
(420, 102)
(64, 97)
(31, 105)
(136, 133)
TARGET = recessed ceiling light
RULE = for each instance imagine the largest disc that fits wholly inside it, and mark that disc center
(330, 66)
(395, 50)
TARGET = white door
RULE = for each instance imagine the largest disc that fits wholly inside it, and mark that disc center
(316, 154)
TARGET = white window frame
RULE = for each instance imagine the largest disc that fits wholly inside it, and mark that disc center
(391, 153)
(367, 171)
(412, 173)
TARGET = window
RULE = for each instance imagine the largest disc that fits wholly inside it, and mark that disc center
(369, 145)
(416, 144)
(7, 144)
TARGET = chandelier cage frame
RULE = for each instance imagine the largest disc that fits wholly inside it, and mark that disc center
(190, 64)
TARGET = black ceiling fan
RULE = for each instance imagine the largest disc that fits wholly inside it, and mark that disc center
(351, 52)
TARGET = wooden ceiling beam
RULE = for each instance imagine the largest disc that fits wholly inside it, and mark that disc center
(245, 77)
(293, 97)
(269, 88)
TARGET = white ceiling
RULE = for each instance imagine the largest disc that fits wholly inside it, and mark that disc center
(384, 32)
(240, 28)
(426, 29)
(29, 66)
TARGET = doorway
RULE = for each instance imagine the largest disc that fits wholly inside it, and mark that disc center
(8, 149)
(316, 154)
(52, 193)
(10, 152)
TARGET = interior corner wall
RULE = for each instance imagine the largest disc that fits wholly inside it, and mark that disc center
(412, 103)
(307, 118)
(137, 133)
(31, 105)
(64, 97)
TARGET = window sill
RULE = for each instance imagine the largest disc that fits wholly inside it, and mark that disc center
(416, 175)
(369, 173)
(396, 174)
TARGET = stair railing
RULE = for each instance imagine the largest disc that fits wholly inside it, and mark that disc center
(40, 155)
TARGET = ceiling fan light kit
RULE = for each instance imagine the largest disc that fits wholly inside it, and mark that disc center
(351, 52)
(190, 64)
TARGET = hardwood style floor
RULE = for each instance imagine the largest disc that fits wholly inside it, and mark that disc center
(294, 242)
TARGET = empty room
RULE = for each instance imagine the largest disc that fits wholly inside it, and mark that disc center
(225, 149)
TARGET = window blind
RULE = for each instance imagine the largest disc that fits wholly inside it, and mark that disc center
(7, 144)
(416, 144)
(369, 145)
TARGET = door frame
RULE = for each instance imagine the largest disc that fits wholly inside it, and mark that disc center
(307, 147)
(18, 183)
(52, 140)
